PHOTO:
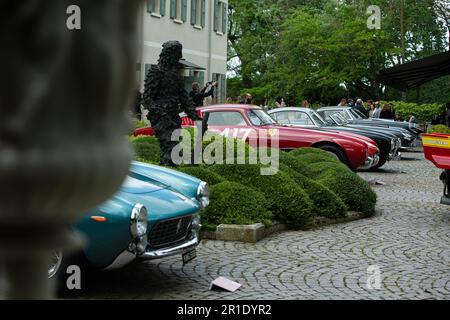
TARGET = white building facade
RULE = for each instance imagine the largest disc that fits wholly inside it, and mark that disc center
(200, 26)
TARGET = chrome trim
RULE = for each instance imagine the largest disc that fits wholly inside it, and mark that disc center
(370, 162)
(180, 249)
(203, 194)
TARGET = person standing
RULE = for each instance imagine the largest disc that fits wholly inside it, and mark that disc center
(305, 104)
(371, 108)
(360, 107)
(279, 103)
(377, 110)
(198, 96)
(343, 103)
(248, 99)
(350, 103)
(386, 113)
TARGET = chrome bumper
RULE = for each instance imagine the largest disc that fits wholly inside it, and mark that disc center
(370, 162)
(127, 256)
(166, 252)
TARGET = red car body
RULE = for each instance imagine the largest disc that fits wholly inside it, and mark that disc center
(361, 152)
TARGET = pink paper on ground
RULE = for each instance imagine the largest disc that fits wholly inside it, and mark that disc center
(226, 284)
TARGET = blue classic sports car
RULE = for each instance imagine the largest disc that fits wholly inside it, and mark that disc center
(155, 214)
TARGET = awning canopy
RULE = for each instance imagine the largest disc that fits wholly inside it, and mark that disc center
(189, 65)
(413, 74)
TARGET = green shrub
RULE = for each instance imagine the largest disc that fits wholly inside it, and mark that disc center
(303, 151)
(146, 149)
(440, 128)
(307, 156)
(233, 203)
(423, 112)
(352, 189)
(203, 173)
(326, 202)
(288, 202)
(213, 141)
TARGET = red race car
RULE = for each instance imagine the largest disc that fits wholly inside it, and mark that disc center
(255, 126)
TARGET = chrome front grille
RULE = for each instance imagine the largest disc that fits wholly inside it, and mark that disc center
(169, 231)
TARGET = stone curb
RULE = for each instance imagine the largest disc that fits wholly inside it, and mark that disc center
(256, 232)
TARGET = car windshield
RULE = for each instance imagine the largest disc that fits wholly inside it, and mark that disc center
(317, 118)
(357, 114)
(335, 120)
(260, 118)
(340, 119)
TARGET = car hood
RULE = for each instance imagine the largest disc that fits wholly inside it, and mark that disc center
(133, 185)
(368, 134)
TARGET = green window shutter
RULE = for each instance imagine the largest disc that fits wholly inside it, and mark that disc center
(184, 10)
(162, 8)
(149, 6)
(173, 9)
(203, 13)
(216, 15)
(224, 18)
(193, 12)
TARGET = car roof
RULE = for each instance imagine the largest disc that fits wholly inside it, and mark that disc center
(333, 108)
(289, 109)
(229, 106)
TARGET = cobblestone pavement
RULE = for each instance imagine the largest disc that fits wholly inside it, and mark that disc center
(408, 239)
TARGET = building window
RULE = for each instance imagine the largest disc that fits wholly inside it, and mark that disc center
(198, 13)
(157, 8)
(220, 17)
(178, 10)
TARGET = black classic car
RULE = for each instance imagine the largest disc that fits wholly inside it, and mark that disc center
(387, 142)
(408, 133)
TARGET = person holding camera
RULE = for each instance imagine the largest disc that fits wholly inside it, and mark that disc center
(198, 96)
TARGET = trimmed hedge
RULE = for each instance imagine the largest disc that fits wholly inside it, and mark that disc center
(288, 202)
(233, 203)
(146, 149)
(307, 156)
(303, 151)
(440, 128)
(202, 173)
(352, 189)
(326, 202)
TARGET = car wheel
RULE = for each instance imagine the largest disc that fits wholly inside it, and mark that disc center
(337, 152)
(56, 263)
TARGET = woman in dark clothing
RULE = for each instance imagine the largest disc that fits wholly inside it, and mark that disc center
(386, 113)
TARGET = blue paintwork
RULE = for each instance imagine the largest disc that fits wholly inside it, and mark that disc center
(165, 193)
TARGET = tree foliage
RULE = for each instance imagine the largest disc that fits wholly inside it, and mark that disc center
(323, 50)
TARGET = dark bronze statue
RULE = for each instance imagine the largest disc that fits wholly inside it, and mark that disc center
(165, 97)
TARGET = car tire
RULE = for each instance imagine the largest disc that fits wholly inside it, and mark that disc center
(337, 152)
(58, 268)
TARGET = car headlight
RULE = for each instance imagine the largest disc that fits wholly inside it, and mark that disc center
(203, 194)
(138, 221)
(393, 144)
